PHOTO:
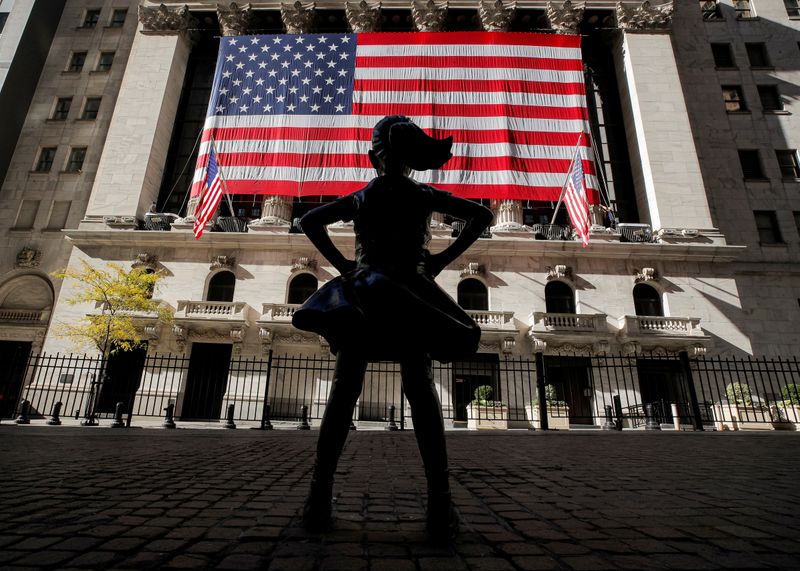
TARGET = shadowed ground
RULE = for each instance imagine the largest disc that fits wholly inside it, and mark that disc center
(106, 499)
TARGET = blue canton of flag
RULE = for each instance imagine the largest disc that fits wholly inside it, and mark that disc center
(308, 74)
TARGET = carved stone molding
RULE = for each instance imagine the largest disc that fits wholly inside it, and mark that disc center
(28, 257)
(296, 18)
(121, 222)
(646, 275)
(559, 272)
(237, 334)
(601, 347)
(569, 349)
(488, 347)
(539, 344)
(507, 345)
(644, 17)
(362, 17)
(222, 263)
(145, 261)
(564, 19)
(697, 350)
(429, 17)
(495, 17)
(304, 264)
(152, 332)
(631, 348)
(473, 269)
(235, 20)
(163, 20)
(265, 336)
(181, 334)
(296, 338)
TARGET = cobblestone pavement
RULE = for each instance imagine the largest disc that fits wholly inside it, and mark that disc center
(190, 499)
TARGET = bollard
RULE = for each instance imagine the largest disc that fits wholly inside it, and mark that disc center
(169, 416)
(265, 422)
(24, 411)
(609, 423)
(676, 419)
(55, 414)
(392, 425)
(353, 425)
(118, 412)
(303, 425)
(618, 412)
(650, 422)
(229, 418)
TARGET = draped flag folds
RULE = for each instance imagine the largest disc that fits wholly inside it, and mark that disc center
(293, 114)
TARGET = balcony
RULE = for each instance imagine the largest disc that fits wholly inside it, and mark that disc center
(629, 232)
(593, 323)
(278, 312)
(674, 333)
(551, 232)
(569, 331)
(213, 311)
(23, 316)
(493, 320)
(159, 221)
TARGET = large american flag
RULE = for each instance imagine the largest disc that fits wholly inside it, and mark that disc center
(293, 114)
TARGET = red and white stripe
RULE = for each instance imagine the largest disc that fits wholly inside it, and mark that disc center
(207, 206)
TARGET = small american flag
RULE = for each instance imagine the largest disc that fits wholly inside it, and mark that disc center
(575, 199)
(293, 114)
(212, 195)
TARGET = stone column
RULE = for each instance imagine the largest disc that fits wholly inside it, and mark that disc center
(132, 164)
(669, 186)
(362, 17)
(495, 17)
(276, 210)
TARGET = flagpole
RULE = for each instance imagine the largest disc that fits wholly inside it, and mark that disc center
(566, 180)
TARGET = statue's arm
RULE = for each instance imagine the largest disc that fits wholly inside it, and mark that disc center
(477, 218)
(314, 223)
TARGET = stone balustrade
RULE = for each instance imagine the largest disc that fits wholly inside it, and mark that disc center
(21, 315)
(592, 322)
(278, 311)
(216, 310)
(652, 325)
(493, 320)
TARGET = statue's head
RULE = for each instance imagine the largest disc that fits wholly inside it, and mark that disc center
(398, 145)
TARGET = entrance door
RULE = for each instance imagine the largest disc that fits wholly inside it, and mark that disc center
(468, 376)
(570, 378)
(207, 379)
(662, 383)
(123, 376)
(13, 360)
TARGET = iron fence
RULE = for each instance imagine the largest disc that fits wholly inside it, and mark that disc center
(488, 391)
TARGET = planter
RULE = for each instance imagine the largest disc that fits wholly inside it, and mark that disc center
(791, 414)
(557, 417)
(743, 417)
(487, 417)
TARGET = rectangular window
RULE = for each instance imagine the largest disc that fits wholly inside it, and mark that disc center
(787, 161)
(58, 215)
(710, 10)
(770, 98)
(76, 61)
(76, 158)
(91, 18)
(767, 225)
(118, 18)
(61, 110)
(45, 162)
(797, 220)
(90, 108)
(792, 8)
(751, 165)
(105, 61)
(723, 55)
(27, 214)
(744, 9)
(734, 101)
(757, 55)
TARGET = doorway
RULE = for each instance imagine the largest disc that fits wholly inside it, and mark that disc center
(123, 376)
(482, 369)
(662, 383)
(570, 377)
(207, 379)
(13, 359)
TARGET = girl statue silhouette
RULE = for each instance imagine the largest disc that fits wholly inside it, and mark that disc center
(385, 306)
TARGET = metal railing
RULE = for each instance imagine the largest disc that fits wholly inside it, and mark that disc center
(552, 232)
(489, 391)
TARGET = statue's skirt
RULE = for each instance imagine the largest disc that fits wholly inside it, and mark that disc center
(389, 318)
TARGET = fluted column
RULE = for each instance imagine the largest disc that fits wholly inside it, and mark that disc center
(496, 17)
(668, 183)
(132, 164)
(276, 210)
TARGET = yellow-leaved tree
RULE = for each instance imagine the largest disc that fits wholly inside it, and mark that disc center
(120, 297)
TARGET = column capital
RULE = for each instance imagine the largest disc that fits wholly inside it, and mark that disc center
(166, 21)
(362, 17)
(644, 17)
(297, 18)
(564, 18)
(495, 17)
(235, 19)
(428, 17)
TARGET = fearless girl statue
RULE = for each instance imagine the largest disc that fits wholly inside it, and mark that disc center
(386, 306)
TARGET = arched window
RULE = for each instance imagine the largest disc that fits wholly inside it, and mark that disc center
(472, 294)
(558, 298)
(221, 287)
(647, 301)
(301, 287)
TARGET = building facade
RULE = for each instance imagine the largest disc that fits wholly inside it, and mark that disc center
(693, 107)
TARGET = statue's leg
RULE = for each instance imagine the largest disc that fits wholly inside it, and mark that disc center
(426, 412)
(348, 378)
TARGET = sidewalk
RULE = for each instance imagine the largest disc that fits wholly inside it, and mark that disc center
(194, 499)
